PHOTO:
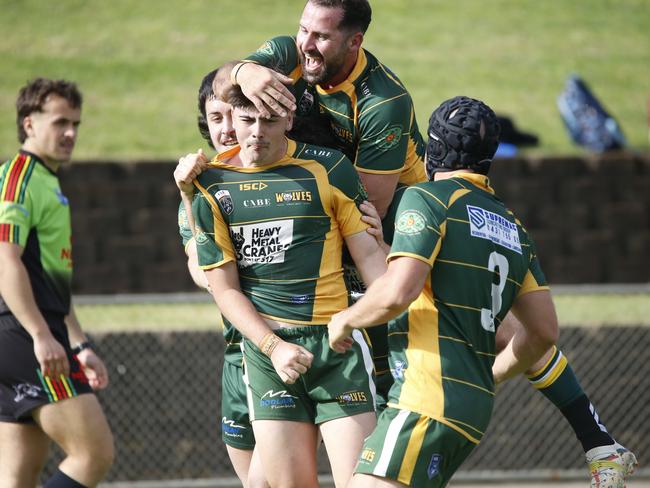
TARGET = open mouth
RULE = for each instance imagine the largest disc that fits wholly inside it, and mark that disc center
(312, 63)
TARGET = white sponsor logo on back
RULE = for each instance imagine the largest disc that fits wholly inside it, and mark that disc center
(493, 227)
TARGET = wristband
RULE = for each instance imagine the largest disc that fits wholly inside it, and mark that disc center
(269, 343)
(233, 73)
(81, 346)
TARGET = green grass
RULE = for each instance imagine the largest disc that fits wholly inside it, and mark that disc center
(139, 63)
(573, 310)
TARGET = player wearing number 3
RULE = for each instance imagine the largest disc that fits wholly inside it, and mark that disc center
(458, 262)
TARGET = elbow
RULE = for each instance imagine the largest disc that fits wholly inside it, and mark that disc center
(401, 298)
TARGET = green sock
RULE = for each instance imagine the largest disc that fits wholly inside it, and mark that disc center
(557, 382)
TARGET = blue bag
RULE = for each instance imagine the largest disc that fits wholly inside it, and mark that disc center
(588, 123)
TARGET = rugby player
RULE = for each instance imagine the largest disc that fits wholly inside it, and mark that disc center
(609, 462)
(367, 108)
(48, 368)
(459, 261)
(215, 125)
(272, 216)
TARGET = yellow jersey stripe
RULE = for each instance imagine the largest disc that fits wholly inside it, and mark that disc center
(413, 450)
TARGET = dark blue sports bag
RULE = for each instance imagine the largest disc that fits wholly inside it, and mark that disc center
(588, 123)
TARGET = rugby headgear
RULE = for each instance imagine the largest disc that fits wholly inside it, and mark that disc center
(463, 134)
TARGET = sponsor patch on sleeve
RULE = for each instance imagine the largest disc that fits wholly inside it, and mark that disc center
(493, 227)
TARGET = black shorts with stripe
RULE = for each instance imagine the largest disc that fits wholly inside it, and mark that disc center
(23, 387)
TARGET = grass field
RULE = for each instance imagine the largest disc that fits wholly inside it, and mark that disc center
(139, 63)
(573, 310)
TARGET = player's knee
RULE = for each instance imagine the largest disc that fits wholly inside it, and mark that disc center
(295, 482)
(255, 481)
(295, 478)
(104, 455)
(96, 455)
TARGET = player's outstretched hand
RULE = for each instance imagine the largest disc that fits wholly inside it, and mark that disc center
(188, 168)
(94, 368)
(51, 356)
(266, 88)
(339, 334)
(290, 361)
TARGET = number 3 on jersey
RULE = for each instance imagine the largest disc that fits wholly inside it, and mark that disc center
(497, 263)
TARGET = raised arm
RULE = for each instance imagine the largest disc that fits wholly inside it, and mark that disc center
(266, 88)
(187, 169)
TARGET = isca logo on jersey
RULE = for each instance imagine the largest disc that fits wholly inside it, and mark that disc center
(257, 185)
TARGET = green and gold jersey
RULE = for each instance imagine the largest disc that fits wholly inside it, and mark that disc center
(35, 214)
(443, 347)
(371, 113)
(283, 224)
(233, 353)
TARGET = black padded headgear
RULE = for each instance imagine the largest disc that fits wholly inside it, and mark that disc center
(456, 140)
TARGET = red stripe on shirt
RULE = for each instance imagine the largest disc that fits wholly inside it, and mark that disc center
(13, 176)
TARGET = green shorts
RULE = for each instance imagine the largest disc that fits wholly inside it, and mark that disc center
(413, 449)
(236, 429)
(384, 382)
(335, 386)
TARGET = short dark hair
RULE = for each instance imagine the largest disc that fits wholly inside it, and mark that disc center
(233, 95)
(356, 13)
(205, 93)
(33, 96)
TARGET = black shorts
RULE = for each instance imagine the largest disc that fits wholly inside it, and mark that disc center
(22, 385)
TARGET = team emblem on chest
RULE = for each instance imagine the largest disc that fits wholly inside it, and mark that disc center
(225, 200)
